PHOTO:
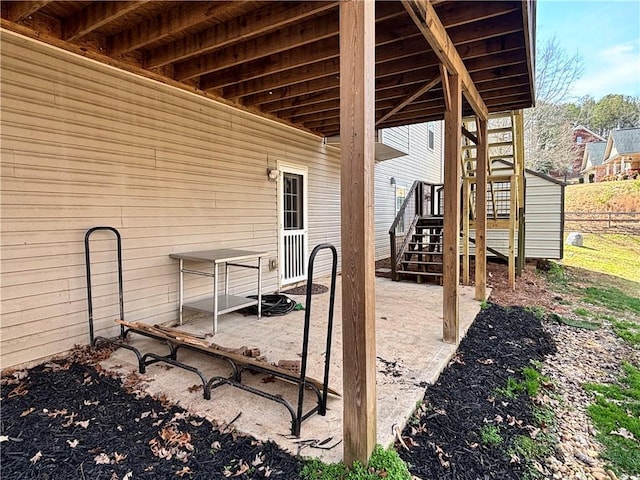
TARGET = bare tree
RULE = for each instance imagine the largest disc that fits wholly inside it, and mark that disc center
(548, 127)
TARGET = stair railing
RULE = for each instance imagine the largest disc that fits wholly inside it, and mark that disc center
(422, 199)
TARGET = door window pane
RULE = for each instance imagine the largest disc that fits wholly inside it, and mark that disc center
(293, 201)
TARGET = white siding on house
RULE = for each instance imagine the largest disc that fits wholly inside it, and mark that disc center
(83, 145)
(397, 137)
(422, 163)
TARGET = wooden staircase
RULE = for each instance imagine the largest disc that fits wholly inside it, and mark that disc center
(422, 256)
(417, 250)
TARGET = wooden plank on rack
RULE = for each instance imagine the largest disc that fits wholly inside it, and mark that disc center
(204, 346)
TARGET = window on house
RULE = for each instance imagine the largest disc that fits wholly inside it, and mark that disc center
(293, 198)
(432, 136)
(579, 139)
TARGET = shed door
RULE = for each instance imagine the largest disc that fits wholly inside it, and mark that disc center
(293, 225)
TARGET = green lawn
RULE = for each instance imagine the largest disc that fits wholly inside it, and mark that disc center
(611, 254)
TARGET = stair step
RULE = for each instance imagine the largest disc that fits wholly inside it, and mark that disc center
(422, 274)
(419, 262)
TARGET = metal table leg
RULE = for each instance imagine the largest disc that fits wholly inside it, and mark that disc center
(259, 288)
(181, 291)
(215, 297)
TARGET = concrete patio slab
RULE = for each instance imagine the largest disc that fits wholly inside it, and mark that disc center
(409, 349)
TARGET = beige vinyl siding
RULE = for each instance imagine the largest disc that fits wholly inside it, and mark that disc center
(397, 137)
(543, 219)
(422, 163)
(83, 145)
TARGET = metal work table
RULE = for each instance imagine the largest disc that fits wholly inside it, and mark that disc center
(219, 304)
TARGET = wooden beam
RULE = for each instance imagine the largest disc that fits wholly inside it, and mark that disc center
(482, 158)
(453, 16)
(494, 27)
(451, 235)
(386, 40)
(357, 96)
(446, 91)
(418, 93)
(172, 21)
(94, 16)
(255, 23)
(17, 11)
(282, 40)
(470, 136)
(424, 16)
(320, 51)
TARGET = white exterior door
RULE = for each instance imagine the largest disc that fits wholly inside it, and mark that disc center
(293, 228)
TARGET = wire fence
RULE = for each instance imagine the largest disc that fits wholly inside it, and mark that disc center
(603, 222)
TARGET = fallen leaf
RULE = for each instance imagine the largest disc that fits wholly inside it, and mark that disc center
(243, 468)
(128, 476)
(57, 413)
(89, 402)
(36, 457)
(622, 432)
(184, 471)
(27, 412)
(119, 457)
(83, 424)
(102, 459)
(487, 361)
(4, 438)
(73, 443)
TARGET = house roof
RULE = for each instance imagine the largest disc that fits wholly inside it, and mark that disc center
(280, 59)
(585, 129)
(626, 140)
(594, 151)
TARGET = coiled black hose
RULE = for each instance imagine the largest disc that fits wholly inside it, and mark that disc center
(273, 305)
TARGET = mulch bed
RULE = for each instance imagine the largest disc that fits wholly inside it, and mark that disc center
(444, 441)
(67, 420)
(316, 289)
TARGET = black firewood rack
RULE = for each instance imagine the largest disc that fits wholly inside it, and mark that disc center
(298, 415)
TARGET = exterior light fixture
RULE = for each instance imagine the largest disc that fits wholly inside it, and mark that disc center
(273, 173)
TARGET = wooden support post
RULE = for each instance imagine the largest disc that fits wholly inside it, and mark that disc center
(482, 160)
(357, 119)
(513, 205)
(451, 236)
(518, 118)
(466, 225)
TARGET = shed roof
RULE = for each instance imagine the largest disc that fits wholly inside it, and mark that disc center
(281, 58)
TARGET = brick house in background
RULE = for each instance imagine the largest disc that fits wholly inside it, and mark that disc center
(582, 136)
